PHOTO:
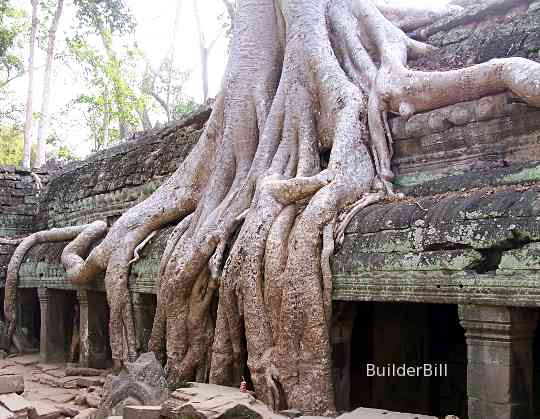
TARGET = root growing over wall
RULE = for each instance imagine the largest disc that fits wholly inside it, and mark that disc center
(297, 139)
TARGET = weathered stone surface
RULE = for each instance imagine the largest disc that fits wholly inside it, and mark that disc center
(366, 413)
(483, 30)
(500, 360)
(86, 414)
(142, 412)
(15, 403)
(6, 414)
(11, 384)
(140, 383)
(210, 401)
(44, 411)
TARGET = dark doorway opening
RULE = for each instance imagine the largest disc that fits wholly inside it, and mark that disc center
(390, 335)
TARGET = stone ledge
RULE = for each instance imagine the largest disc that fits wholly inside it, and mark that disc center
(440, 288)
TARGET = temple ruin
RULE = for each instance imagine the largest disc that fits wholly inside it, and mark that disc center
(446, 275)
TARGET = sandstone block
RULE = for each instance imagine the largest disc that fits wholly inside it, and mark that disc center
(11, 384)
(142, 412)
(14, 402)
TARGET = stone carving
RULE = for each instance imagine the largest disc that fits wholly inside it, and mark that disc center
(141, 382)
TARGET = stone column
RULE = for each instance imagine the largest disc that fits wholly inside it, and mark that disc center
(499, 360)
(52, 345)
(143, 313)
(93, 326)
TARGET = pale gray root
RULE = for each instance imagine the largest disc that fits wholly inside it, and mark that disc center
(74, 253)
(39, 185)
(328, 246)
(367, 199)
(410, 17)
(52, 235)
(141, 246)
(175, 199)
(400, 90)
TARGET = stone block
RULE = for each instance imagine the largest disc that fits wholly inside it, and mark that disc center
(6, 414)
(142, 412)
(43, 410)
(15, 403)
(86, 414)
(11, 384)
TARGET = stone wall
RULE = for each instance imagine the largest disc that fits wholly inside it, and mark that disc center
(106, 184)
(484, 30)
(18, 206)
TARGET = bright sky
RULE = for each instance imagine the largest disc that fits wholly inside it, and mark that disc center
(155, 22)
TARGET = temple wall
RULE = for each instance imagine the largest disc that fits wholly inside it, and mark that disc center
(18, 206)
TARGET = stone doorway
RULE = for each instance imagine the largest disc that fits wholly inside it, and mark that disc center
(388, 334)
(28, 316)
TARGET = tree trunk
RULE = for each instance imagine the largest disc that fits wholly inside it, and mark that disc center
(29, 111)
(203, 50)
(43, 120)
(259, 203)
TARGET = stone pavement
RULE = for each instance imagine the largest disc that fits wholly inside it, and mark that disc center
(49, 392)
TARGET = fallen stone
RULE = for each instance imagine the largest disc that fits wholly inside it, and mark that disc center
(90, 381)
(86, 414)
(80, 400)
(47, 367)
(141, 382)
(6, 414)
(15, 403)
(209, 401)
(68, 411)
(27, 360)
(11, 384)
(61, 398)
(366, 413)
(57, 373)
(93, 401)
(91, 372)
(142, 412)
(44, 410)
(291, 413)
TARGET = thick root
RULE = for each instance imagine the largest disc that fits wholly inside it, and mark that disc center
(53, 235)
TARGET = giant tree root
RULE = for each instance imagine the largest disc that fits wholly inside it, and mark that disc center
(298, 136)
(94, 231)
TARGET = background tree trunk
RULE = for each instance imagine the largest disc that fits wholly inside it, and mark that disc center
(44, 118)
(29, 111)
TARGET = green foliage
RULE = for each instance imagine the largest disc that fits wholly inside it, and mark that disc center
(58, 151)
(12, 26)
(107, 15)
(183, 107)
(11, 145)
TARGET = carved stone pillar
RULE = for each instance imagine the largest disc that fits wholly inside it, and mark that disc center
(500, 361)
(52, 345)
(143, 312)
(93, 326)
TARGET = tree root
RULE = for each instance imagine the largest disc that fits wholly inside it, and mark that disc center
(53, 235)
(141, 246)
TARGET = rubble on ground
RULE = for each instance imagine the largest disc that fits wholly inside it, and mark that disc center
(30, 389)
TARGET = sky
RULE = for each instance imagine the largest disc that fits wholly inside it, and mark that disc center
(155, 23)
